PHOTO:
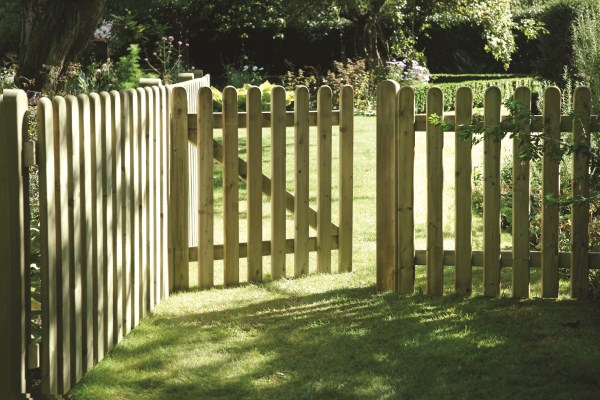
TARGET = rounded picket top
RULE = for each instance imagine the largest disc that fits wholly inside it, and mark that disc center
(583, 96)
(301, 94)
(492, 95)
(277, 94)
(464, 94)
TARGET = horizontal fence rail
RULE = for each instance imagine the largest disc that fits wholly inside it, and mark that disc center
(397, 125)
(198, 129)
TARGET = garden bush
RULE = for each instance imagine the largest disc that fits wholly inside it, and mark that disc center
(507, 88)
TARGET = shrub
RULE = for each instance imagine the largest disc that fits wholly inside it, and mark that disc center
(586, 49)
(507, 88)
(128, 70)
(244, 73)
(354, 73)
(265, 88)
(167, 58)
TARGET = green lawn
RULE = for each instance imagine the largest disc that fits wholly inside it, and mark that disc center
(334, 336)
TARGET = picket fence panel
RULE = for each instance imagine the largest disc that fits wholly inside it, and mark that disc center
(329, 235)
(397, 125)
(103, 215)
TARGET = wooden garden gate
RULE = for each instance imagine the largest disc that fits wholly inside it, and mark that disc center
(198, 129)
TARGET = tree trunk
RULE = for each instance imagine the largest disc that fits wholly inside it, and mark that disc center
(53, 34)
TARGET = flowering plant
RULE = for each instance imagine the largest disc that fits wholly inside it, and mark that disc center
(407, 72)
(168, 60)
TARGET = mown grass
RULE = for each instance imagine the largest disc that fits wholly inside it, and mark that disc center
(334, 336)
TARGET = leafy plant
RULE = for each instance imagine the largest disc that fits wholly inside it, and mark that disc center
(167, 60)
(266, 88)
(128, 70)
(246, 72)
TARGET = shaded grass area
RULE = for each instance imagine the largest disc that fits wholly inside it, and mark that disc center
(326, 337)
(335, 337)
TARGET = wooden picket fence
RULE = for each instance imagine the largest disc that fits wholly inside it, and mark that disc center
(198, 129)
(104, 163)
(397, 125)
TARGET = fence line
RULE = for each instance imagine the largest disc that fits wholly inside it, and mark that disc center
(104, 162)
(396, 256)
(329, 236)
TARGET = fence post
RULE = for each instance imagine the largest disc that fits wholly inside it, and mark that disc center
(178, 204)
(521, 207)
(278, 234)
(550, 188)
(324, 150)
(231, 259)
(491, 196)
(405, 189)
(346, 146)
(435, 189)
(13, 340)
(463, 167)
(580, 216)
(386, 183)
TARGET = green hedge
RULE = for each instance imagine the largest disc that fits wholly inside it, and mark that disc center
(507, 88)
(449, 78)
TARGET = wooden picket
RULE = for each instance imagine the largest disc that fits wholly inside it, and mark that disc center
(435, 189)
(462, 192)
(580, 217)
(520, 206)
(395, 141)
(491, 195)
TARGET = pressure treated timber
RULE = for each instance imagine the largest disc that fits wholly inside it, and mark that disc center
(405, 189)
(550, 188)
(346, 172)
(254, 181)
(580, 216)
(386, 183)
(278, 149)
(463, 283)
(491, 195)
(205, 188)
(520, 198)
(301, 181)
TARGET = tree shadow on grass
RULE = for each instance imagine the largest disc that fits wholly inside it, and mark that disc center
(358, 344)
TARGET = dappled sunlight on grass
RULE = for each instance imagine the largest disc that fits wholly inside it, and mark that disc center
(286, 339)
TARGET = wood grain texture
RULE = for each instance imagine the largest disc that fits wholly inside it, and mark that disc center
(87, 232)
(254, 182)
(550, 189)
(278, 143)
(463, 283)
(106, 130)
(13, 107)
(301, 181)
(386, 183)
(59, 107)
(205, 189)
(149, 214)
(405, 190)
(520, 221)
(49, 248)
(96, 175)
(179, 193)
(435, 195)
(117, 197)
(580, 217)
(346, 196)
(324, 171)
(230, 187)
(491, 195)
(76, 168)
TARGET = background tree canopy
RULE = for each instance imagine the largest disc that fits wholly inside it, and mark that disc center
(450, 35)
